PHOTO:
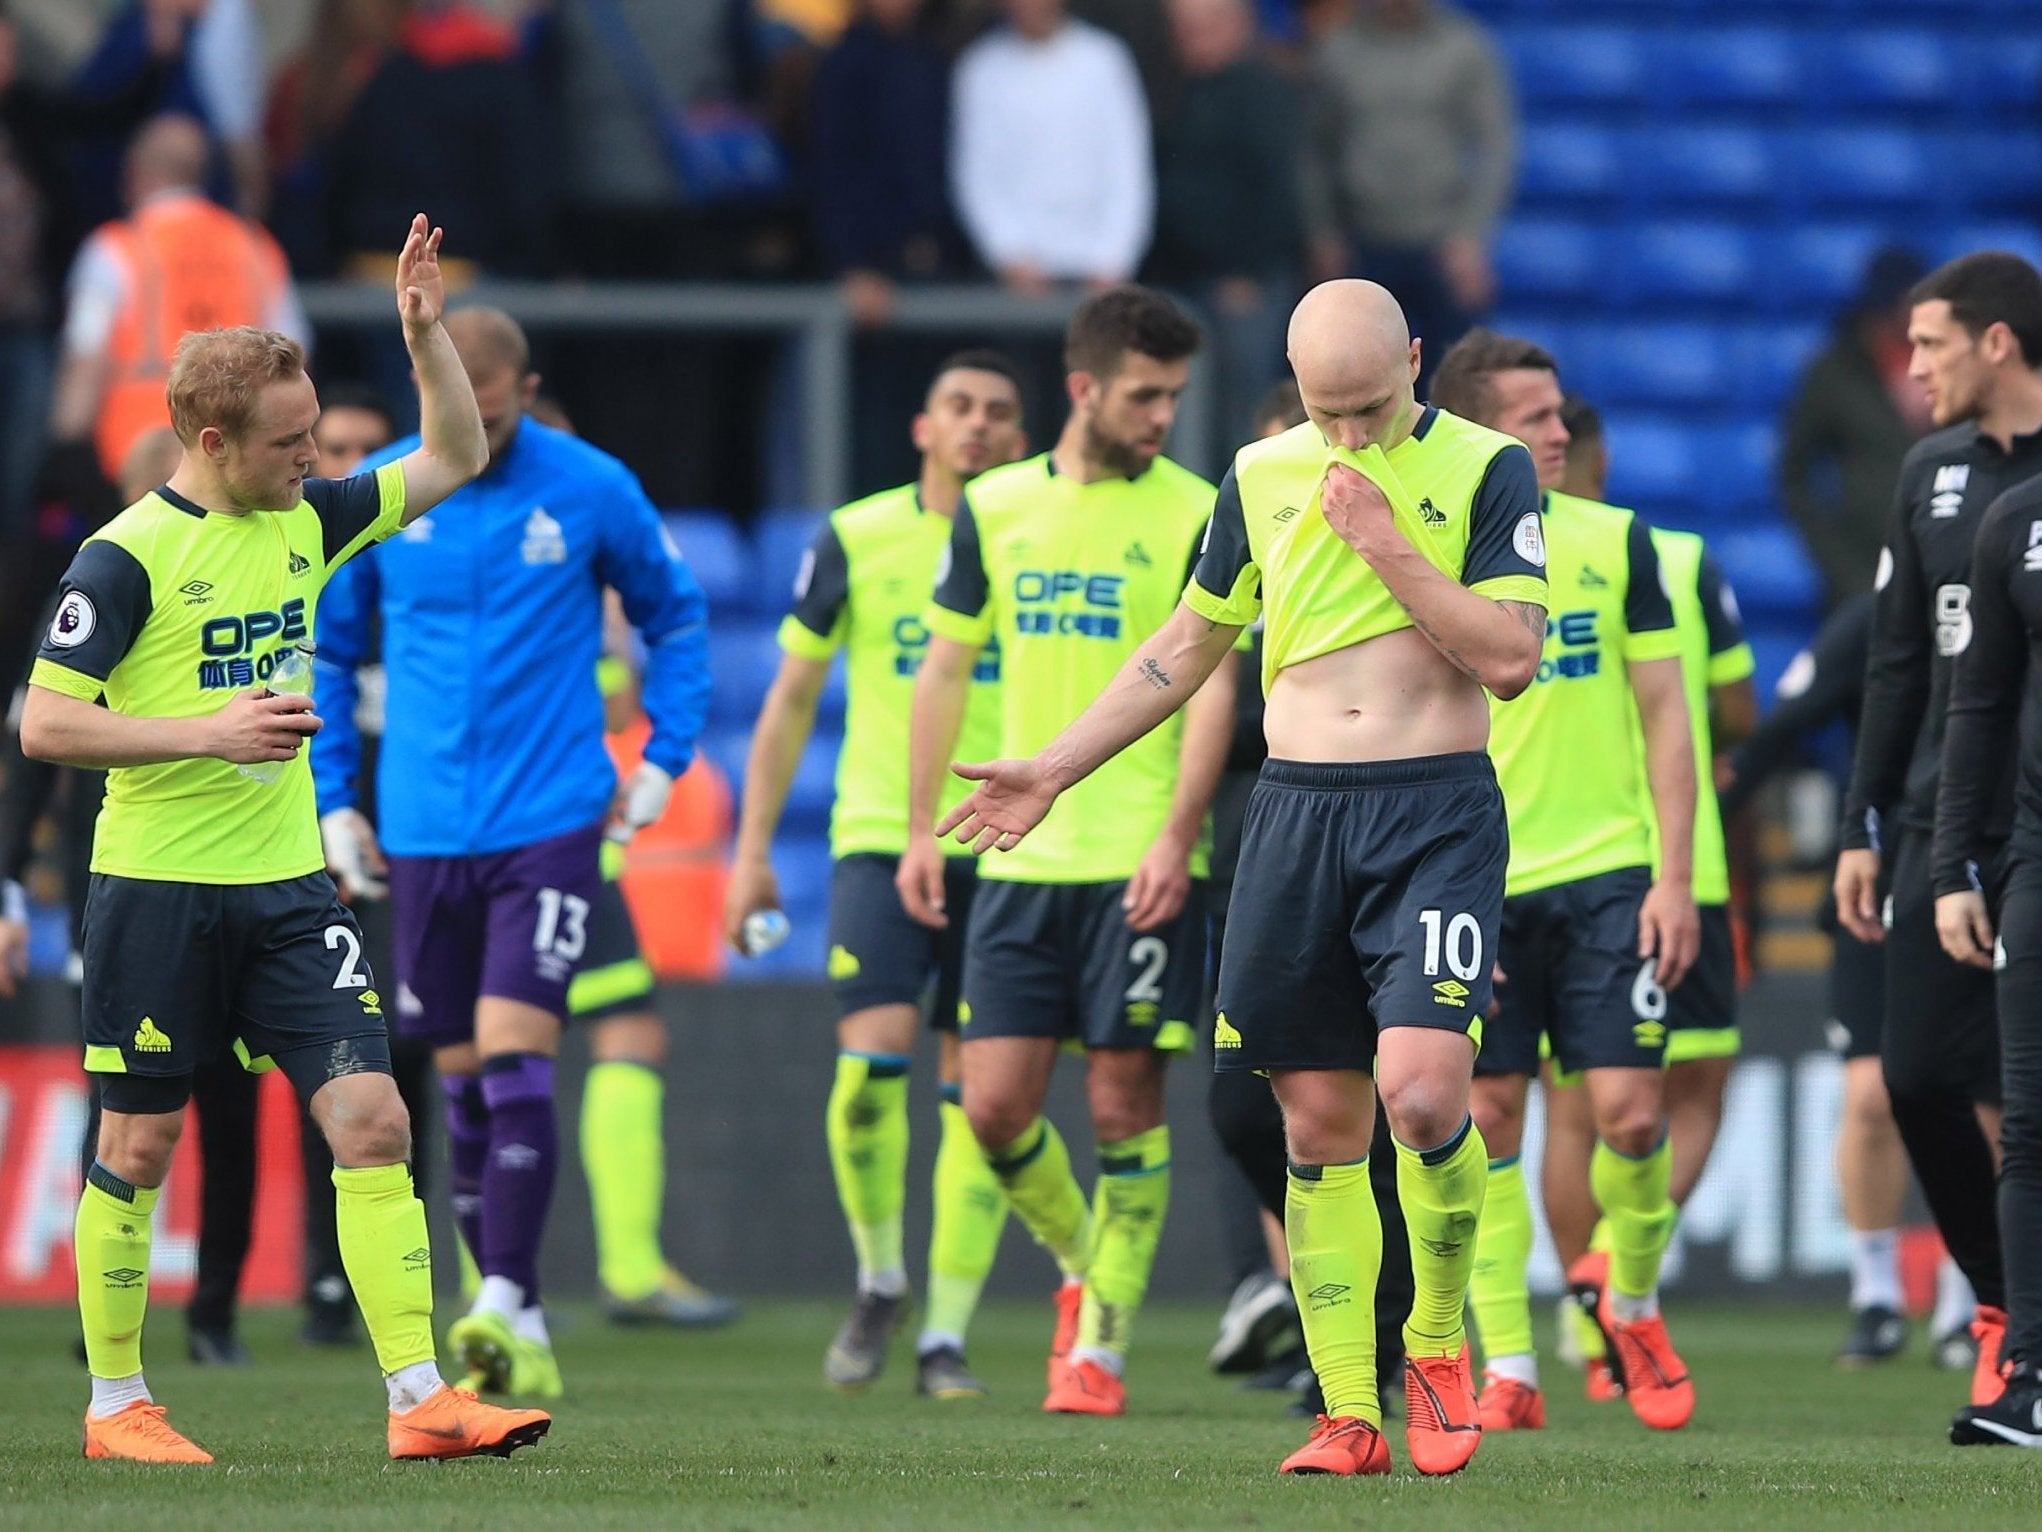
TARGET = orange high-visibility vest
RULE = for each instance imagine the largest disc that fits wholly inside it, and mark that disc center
(190, 265)
(675, 869)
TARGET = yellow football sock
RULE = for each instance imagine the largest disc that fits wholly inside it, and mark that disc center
(1036, 1171)
(1499, 1289)
(111, 1244)
(623, 1152)
(1128, 1206)
(1636, 1201)
(1335, 1236)
(868, 1136)
(970, 1211)
(1442, 1191)
(388, 1256)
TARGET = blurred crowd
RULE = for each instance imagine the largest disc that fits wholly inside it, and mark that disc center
(1230, 150)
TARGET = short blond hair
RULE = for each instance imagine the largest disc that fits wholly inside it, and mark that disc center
(218, 375)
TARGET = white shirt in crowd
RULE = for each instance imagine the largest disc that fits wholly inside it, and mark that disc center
(1049, 153)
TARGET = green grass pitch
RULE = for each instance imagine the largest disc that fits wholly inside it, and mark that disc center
(735, 1430)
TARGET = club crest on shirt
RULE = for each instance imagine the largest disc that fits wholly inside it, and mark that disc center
(544, 541)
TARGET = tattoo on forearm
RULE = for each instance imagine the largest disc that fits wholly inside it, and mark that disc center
(1155, 675)
(1532, 616)
(1452, 655)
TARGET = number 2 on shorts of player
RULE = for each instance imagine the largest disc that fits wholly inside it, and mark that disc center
(349, 977)
(1462, 942)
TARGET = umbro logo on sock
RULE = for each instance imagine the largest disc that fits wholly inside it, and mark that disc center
(124, 1277)
(418, 1260)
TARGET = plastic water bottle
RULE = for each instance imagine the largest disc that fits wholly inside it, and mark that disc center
(291, 672)
(764, 930)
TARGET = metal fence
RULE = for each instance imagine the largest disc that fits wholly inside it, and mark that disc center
(808, 317)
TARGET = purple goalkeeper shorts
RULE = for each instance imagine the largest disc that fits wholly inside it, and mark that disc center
(513, 924)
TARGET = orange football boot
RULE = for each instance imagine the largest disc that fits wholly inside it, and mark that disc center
(451, 1424)
(139, 1433)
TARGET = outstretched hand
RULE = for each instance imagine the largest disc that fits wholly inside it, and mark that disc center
(1011, 800)
(421, 291)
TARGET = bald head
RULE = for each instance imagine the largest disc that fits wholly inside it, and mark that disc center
(170, 152)
(150, 461)
(498, 361)
(1355, 362)
(488, 341)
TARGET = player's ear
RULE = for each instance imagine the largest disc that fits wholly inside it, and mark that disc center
(1417, 351)
(529, 391)
(1083, 389)
(922, 431)
(213, 442)
(1998, 343)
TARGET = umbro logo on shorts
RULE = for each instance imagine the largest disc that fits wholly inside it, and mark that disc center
(149, 1038)
(1650, 1034)
(1451, 992)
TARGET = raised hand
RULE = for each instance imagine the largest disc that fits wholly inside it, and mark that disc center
(1356, 508)
(421, 292)
(1010, 801)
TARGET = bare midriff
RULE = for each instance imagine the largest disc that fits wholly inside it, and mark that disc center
(1389, 698)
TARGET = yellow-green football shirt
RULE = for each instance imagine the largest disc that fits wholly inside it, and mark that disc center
(862, 589)
(1566, 751)
(169, 611)
(1713, 652)
(1071, 579)
(1465, 496)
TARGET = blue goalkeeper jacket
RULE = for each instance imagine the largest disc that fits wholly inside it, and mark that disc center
(491, 616)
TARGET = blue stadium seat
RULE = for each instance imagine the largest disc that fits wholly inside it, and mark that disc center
(1771, 572)
(1861, 68)
(1685, 263)
(1685, 166)
(1731, 67)
(781, 538)
(1547, 258)
(1995, 169)
(1768, 360)
(2024, 239)
(2005, 71)
(1741, 460)
(1817, 267)
(1568, 162)
(718, 554)
(1652, 463)
(1578, 66)
(744, 656)
(1626, 365)
(1863, 167)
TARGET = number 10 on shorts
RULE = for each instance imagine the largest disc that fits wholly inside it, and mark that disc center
(1459, 940)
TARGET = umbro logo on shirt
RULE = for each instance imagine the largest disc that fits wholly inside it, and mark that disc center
(1286, 513)
(196, 592)
(300, 565)
(1590, 580)
(1946, 497)
(1431, 514)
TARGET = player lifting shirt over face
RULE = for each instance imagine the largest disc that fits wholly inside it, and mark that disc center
(1395, 554)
